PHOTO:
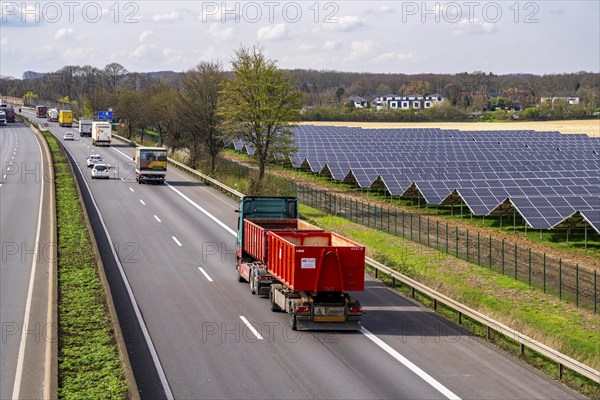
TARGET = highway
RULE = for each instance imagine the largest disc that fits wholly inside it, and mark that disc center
(212, 339)
(25, 237)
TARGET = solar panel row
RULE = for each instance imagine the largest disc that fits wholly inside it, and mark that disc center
(544, 176)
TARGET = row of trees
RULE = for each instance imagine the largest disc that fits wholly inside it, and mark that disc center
(256, 102)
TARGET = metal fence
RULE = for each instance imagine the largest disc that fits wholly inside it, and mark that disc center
(567, 280)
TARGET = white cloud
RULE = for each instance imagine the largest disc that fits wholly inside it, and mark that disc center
(346, 23)
(63, 33)
(381, 10)
(173, 56)
(142, 50)
(173, 16)
(359, 49)
(332, 44)
(276, 32)
(3, 41)
(144, 35)
(219, 33)
(307, 48)
(474, 27)
(392, 56)
(77, 53)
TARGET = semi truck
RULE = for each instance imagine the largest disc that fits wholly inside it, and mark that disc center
(2, 118)
(52, 115)
(150, 164)
(41, 111)
(305, 271)
(85, 127)
(101, 133)
(65, 118)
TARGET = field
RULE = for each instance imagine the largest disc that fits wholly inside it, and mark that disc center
(590, 127)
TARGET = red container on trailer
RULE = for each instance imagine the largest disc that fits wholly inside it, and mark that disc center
(255, 233)
(316, 261)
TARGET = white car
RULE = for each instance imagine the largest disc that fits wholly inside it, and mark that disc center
(69, 136)
(100, 171)
(94, 159)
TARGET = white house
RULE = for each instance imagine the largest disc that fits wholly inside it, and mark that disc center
(358, 101)
(414, 101)
(570, 100)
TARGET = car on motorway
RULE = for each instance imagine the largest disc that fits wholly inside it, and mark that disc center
(69, 136)
(94, 159)
(100, 171)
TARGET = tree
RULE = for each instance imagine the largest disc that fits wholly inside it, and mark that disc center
(198, 101)
(260, 106)
(113, 73)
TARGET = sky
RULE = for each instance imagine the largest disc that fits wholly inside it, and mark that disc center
(410, 37)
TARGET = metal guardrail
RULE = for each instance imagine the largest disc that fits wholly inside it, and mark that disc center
(523, 340)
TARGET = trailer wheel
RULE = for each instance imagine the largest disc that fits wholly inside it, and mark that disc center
(274, 306)
(252, 283)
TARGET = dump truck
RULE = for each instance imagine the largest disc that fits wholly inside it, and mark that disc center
(41, 111)
(101, 133)
(150, 164)
(65, 118)
(85, 127)
(305, 271)
(52, 115)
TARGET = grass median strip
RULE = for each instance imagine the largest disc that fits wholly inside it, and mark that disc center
(88, 361)
(543, 317)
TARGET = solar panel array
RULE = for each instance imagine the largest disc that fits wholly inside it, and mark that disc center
(544, 176)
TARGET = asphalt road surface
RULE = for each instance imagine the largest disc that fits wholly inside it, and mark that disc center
(213, 339)
(26, 242)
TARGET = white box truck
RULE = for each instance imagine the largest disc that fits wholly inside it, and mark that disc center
(85, 127)
(101, 133)
(150, 164)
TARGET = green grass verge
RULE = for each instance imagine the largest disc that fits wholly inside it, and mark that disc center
(566, 328)
(89, 366)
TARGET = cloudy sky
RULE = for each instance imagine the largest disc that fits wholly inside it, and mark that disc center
(362, 36)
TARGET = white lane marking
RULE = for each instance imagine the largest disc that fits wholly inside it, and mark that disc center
(177, 241)
(138, 314)
(228, 229)
(131, 189)
(408, 364)
(205, 274)
(142, 201)
(0, 184)
(26, 319)
(156, 218)
(252, 329)
(4, 177)
(123, 179)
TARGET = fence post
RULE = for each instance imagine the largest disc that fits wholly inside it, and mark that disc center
(419, 222)
(411, 226)
(478, 249)
(560, 278)
(403, 223)
(437, 235)
(595, 292)
(395, 222)
(490, 251)
(389, 217)
(577, 285)
(427, 231)
(516, 267)
(530, 266)
(362, 213)
(544, 272)
(446, 238)
(457, 241)
(467, 245)
(502, 256)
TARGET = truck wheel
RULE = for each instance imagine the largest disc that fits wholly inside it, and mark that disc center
(274, 306)
(252, 283)
(293, 321)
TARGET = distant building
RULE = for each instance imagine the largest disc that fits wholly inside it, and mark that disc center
(358, 101)
(414, 101)
(570, 100)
